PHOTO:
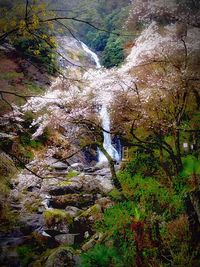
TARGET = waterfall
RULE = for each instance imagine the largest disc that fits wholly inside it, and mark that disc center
(92, 54)
(107, 143)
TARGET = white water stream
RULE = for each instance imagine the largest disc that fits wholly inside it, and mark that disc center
(107, 143)
(92, 54)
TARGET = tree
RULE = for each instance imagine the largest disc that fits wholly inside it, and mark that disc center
(155, 110)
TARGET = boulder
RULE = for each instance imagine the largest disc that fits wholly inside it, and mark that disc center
(93, 240)
(105, 184)
(30, 223)
(61, 257)
(59, 165)
(66, 189)
(76, 200)
(28, 182)
(67, 239)
(77, 167)
(93, 213)
(73, 211)
(101, 184)
(57, 220)
(104, 203)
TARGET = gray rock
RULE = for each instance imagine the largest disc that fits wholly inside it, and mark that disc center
(72, 211)
(77, 167)
(59, 165)
(61, 257)
(28, 181)
(76, 200)
(100, 184)
(70, 188)
(67, 239)
(105, 184)
(93, 240)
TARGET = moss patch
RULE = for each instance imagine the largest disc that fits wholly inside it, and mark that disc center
(65, 183)
(54, 216)
(94, 211)
(72, 174)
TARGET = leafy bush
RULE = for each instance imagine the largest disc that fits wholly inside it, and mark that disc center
(25, 254)
(39, 51)
(101, 256)
(151, 195)
(143, 163)
(191, 166)
(113, 53)
(97, 40)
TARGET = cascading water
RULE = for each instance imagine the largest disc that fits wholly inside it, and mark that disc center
(92, 54)
(107, 144)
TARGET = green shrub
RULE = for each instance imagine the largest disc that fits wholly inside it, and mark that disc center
(191, 166)
(151, 195)
(72, 174)
(101, 256)
(143, 163)
(26, 255)
(119, 216)
(97, 40)
(113, 53)
(39, 51)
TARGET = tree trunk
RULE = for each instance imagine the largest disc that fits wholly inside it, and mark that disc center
(112, 168)
(178, 151)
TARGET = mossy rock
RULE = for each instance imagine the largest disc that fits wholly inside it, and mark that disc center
(93, 212)
(58, 257)
(32, 204)
(55, 216)
(76, 200)
(65, 183)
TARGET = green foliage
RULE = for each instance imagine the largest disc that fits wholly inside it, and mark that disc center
(39, 51)
(115, 224)
(97, 40)
(72, 174)
(101, 256)
(191, 165)
(188, 179)
(118, 217)
(25, 254)
(143, 163)
(11, 75)
(113, 53)
(116, 195)
(108, 15)
(151, 195)
(26, 140)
